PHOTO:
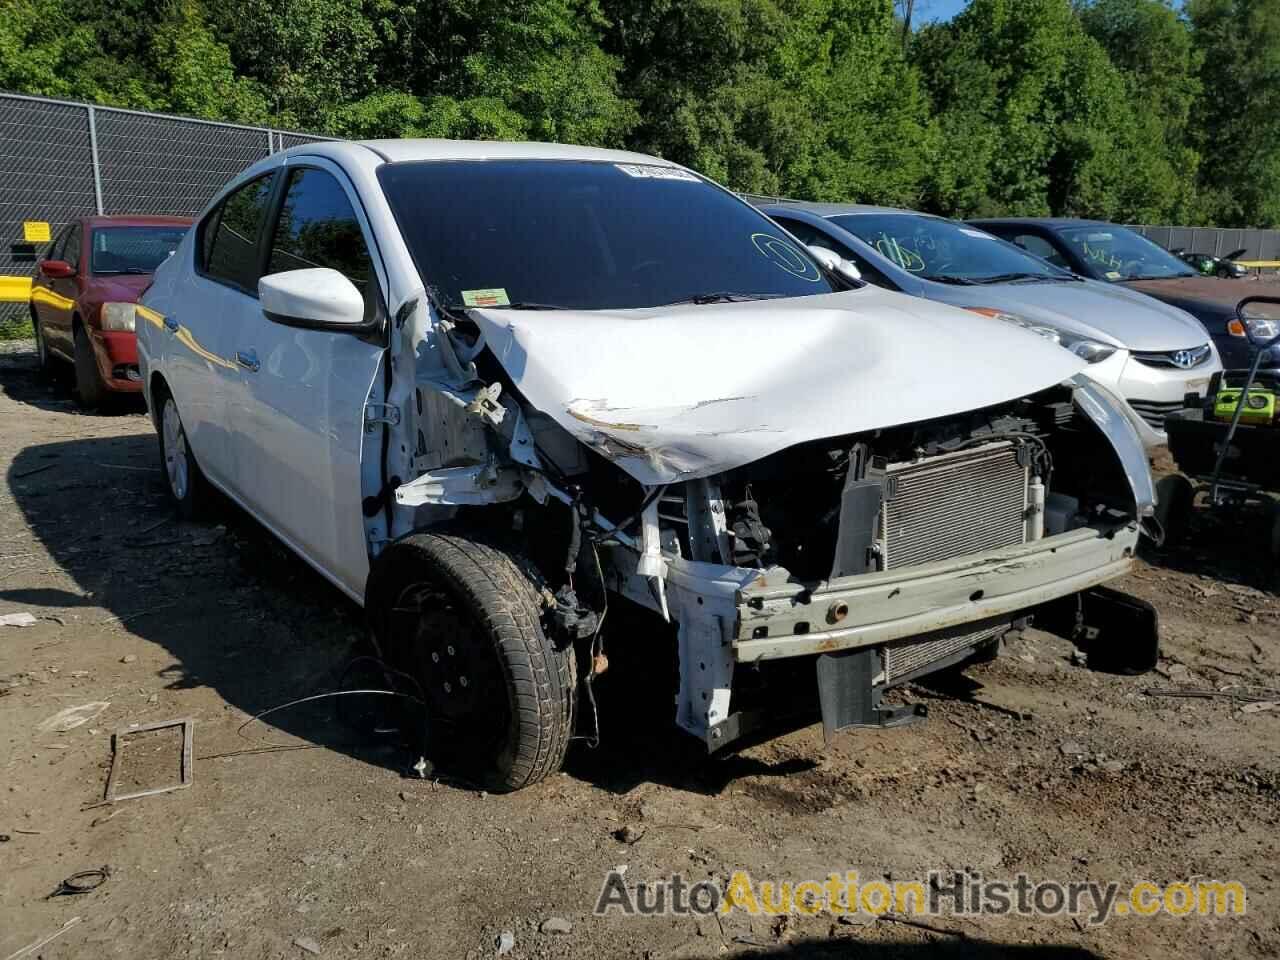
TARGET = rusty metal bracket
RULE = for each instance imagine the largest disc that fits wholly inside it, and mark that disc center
(117, 750)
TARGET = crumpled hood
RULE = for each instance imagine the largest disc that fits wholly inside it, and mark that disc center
(684, 392)
(1106, 312)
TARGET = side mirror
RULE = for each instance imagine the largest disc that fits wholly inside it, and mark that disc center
(57, 269)
(834, 262)
(318, 297)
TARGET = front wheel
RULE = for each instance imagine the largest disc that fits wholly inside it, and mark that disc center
(186, 484)
(462, 618)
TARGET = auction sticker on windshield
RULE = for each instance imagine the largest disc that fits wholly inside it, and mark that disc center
(493, 297)
(645, 172)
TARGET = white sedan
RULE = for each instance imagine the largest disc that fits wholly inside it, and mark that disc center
(484, 388)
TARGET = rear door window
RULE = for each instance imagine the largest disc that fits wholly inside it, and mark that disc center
(232, 255)
(71, 246)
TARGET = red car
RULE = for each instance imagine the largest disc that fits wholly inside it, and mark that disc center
(92, 261)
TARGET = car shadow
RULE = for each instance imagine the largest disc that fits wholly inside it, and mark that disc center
(22, 380)
(1228, 543)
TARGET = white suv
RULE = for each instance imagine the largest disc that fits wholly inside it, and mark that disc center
(484, 387)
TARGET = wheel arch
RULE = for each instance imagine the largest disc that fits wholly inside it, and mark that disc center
(156, 388)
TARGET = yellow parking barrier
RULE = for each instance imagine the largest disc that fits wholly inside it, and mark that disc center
(1259, 264)
(15, 289)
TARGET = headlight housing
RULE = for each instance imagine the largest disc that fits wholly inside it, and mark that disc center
(119, 317)
(1091, 351)
(1261, 329)
(1040, 329)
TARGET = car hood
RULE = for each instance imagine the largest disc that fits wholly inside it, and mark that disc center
(118, 288)
(1208, 298)
(1100, 311)
(684, 392)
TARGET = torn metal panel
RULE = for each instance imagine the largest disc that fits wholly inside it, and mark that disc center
(690, 391)
(461, 486)
(1105, 410)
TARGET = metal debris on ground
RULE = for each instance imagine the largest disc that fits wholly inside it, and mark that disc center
(81, 883)
(31, 948)
(1243, 696)
(1258, 706)
(307, 944)
(505, 943)
(117, 751)
(23, 619)
(73, 717)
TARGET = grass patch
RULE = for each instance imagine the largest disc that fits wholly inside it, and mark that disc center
(17, 327)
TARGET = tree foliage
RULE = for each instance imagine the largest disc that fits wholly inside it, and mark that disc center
(1124, 109)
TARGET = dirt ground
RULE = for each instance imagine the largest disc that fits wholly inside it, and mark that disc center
(309, 833)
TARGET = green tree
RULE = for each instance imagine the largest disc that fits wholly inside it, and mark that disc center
(1034, 118)
(493, 69)
(804, 97)
(1152, 47)
(1237, 119)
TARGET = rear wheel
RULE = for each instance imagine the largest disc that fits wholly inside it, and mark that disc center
(42, 348)
(462, 618)
(88, 382)
(185, 482)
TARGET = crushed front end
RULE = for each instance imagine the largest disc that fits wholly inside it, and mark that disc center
(854, 559)
(888, 556)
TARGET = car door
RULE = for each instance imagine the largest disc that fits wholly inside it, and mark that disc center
(58, 304)
(299, 433)
(209, 305)
(42, 296)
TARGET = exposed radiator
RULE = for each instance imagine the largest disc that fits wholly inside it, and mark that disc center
(904, 658)
(953, 505)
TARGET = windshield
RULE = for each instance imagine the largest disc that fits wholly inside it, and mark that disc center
(133, 249)
(587, 236)
(1117, 253)
(948, 252)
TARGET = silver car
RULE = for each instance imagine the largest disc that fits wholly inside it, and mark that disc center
(1147, 352)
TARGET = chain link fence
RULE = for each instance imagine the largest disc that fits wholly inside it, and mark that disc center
(60, 160)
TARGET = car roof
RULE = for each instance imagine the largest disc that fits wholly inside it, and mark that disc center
(136, 220)
(402, 151)
(1051, 222)
(835, 209)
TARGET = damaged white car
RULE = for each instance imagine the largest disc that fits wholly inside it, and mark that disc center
(488, 389)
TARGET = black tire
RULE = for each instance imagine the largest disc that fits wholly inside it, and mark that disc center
(463, 619)
(89, 389)
(184, 480)
(1274, 531)
(1175, 495)
(1225, 273)
(42, 348)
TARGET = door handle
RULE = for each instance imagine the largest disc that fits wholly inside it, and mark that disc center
(248, 360)
(171, 323)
